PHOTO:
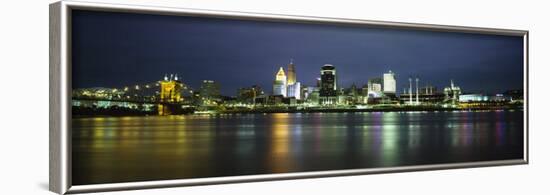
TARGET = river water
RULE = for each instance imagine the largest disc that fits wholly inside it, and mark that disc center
(124, 149)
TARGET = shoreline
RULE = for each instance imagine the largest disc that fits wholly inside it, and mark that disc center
(322, 110)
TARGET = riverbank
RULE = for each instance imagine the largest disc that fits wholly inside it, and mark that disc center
(339, 110)
(119, 113)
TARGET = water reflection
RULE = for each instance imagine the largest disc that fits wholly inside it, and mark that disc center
(279, 159)
(111, 149)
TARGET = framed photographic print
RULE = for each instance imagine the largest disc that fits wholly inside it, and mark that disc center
(146, 97)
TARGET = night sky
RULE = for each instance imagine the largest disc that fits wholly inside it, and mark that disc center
(119, 49)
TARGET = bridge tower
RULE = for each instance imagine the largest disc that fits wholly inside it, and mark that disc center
(170, 94)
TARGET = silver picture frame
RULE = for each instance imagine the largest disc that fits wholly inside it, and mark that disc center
(60, 99)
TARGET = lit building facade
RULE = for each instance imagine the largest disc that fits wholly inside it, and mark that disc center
(327, 90)
(293, 86)
(280, 85)
(375, 85)
(389, 83)
(209, 92)
(291, 74)
(294, 90)
(473, 98)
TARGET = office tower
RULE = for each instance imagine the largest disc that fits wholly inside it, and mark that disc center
(280, 85)
(389, 82)
(291, 73)
(209, 92)
(293, 90)
(293, 87)
(327, 90)
(375, 84)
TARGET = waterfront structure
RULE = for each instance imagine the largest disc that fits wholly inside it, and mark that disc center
(170, 93)
(452, 93)
(389, 83)
(477, 97)
(427, 95)
(477, 101)
(514, 95)
(328, 86)
(428, 90)
(410, 91)
(170, 89)
(280, 85)
(417, 102)
(472, 98)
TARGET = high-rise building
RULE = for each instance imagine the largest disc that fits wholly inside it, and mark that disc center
(280, 85)
(291, 73)
(293, 87)
(375, 85)
(209, 92)
(312, 95)
(209, 89)
(328, 85)
(293, 90)
(389, 83)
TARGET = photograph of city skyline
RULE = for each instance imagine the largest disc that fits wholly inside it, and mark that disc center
(157, 97)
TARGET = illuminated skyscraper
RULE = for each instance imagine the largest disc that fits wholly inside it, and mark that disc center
(327, 91)
(389, 83)
(291, 73)
(294, 90)
(279, 85)
(293, 87)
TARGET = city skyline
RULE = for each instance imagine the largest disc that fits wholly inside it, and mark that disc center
(156, 45)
